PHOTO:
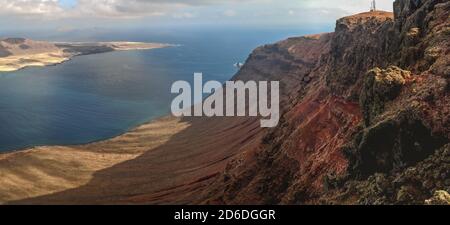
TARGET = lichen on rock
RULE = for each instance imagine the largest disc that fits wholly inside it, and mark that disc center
(414, 185)
(439, 198)
(381, 86)
(392, 144)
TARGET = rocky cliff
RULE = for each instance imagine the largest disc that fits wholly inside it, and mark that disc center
(365, 120)
(366, 114)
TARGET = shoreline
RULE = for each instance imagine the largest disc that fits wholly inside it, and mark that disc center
(76, 164)
(24, 170)
(128, 130)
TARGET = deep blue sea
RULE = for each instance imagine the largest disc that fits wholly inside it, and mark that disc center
(96, 97)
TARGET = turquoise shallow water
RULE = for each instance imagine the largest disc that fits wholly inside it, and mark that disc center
(100, 96)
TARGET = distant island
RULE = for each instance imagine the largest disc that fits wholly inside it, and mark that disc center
(18, 53)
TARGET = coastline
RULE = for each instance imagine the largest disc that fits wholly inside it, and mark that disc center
(43, 170)
(127, 130)
(93, 156)
(35, 172)
(31, 62)
(163, 148)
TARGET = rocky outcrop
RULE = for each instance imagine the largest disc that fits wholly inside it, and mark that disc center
(392, 145)
(356, 48)
(412, 185)
(422, 29)
(439, 198)
(381, 86)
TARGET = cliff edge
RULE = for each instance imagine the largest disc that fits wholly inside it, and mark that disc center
(367, 121)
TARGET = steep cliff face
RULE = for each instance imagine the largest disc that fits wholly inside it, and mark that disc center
(421, 36)
(290, 164)
(358, 45)
(406, 113)
(372, 97)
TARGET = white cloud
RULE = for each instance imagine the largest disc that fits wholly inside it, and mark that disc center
(209, 11)
(102, 8)
(185, 15)
(30, 7)
(229, 13)
(351, 6)
(139, 8)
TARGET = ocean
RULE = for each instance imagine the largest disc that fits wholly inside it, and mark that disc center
(96, 97)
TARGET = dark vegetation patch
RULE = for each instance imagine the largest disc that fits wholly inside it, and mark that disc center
(85, 50)
(392, 145)
(24, 46)
(14, 41)
(4, 52)
(412, 185)
(28, 60)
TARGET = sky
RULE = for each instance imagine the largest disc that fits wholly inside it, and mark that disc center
(70, 14)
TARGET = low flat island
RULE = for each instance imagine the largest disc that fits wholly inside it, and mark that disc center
(18, 53)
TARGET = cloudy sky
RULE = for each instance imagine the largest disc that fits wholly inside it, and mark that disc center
(65, 13)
